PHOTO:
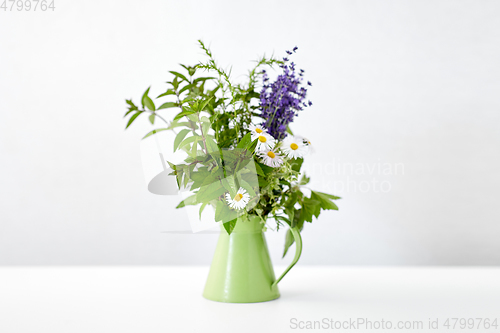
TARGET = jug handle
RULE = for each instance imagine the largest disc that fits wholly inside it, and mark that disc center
(298, 251)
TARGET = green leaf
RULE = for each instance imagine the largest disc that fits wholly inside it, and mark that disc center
(205, 104)
(128, 112)
(131, 120)
(194, 149)
(176, 123)
(152, 118)
(230, 185)
(289, 131)
(262, 182)
(202, 208)
(186, 176)
(188, 201)
(248, 187)
(179, 75)
(200, 175)
(205, 127)
(249, 177)
(284, 182)
(251, 147)
(210, 192)
(289, 240)
(299, 219)
(168, 92)
(180, 136)
(154, 132)
(191, 70)
(324, 201)
(304, 180)
(175, 83)
(147, 102)
(203, 79)
(192, 116)
(230, 225)
(223, 213)
(179, 175)
(297, 164)
(168, 105)
(132, 107)
(212, 146)
(186, 87)
(310, 207)
(332, 197)
(265, 169)
(185, 112)
(130, 103)
(258, 169)
(172, 165)
(185, 143)
(219, 207)
(245, 141)
(144, 95)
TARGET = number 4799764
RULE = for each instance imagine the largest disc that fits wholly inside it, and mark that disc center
(27, 5)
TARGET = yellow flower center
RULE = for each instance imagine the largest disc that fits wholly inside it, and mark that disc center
(271, 154)
(294, 146)
(238, 197)
(258, 130)
(262, 138)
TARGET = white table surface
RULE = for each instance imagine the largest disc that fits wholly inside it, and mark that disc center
(168, 299)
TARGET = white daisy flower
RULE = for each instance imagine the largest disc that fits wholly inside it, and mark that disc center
(271, 158)
(264, 141)
(240, 200)
(294, 147)
(256, 130)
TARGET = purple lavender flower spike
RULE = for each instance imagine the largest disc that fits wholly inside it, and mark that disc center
(281, 100)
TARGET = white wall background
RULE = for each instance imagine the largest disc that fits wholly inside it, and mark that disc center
(395, 82)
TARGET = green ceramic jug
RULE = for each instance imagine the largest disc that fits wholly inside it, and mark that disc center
(241, 270)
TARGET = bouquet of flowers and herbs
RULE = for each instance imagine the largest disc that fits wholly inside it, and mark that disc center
(241, 155)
